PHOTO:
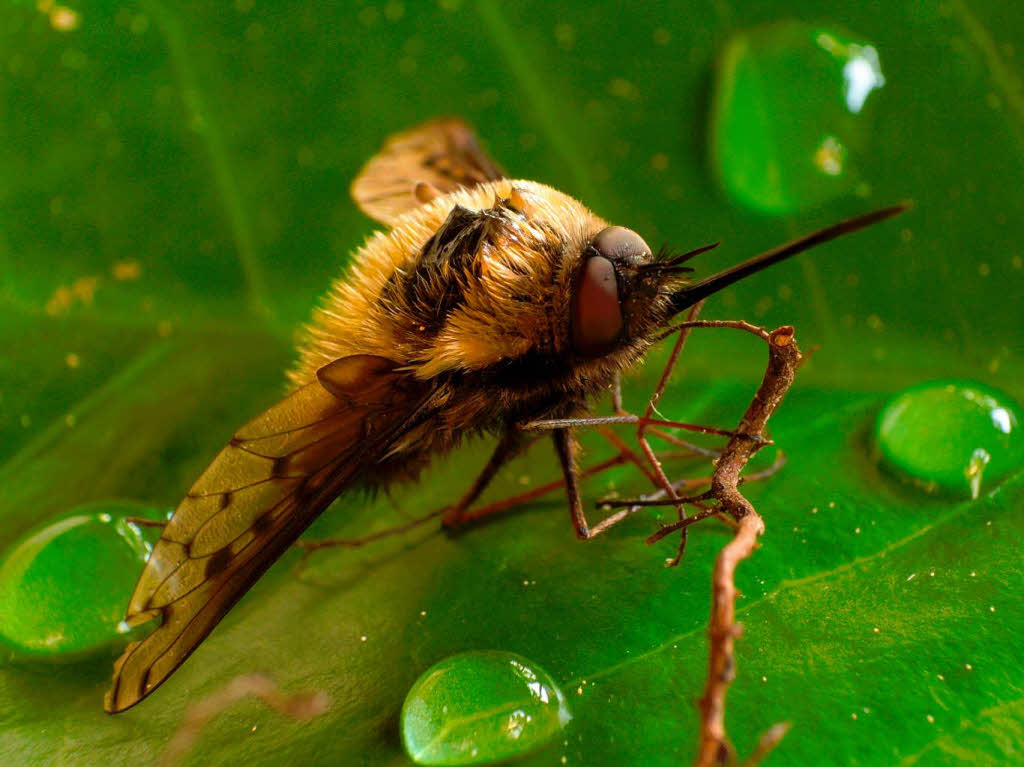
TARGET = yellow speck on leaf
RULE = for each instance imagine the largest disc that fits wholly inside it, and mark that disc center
(59, 302)
(64, 19)
(126, 270)
(84, 289)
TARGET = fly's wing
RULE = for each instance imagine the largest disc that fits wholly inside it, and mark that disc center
(440, 155)
(261, 491)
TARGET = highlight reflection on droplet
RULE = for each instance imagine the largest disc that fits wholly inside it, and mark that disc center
(790, 114)
(64, 587)
(480, 707)
(951, 436)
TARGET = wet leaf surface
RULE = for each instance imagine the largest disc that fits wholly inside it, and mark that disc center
(175, 198)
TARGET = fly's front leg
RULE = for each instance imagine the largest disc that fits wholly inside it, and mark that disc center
(565, 447)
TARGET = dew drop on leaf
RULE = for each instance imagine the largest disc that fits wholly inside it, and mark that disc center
(480, 707)
(951, 436)
(790, 113)
(64, 587)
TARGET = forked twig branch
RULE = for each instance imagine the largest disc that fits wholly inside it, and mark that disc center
(714, 747)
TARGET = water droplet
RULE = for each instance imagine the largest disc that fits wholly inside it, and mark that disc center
(479, 707)
(790, 114)
(64, 587)
(951, 436)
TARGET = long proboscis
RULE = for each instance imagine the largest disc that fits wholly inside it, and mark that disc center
(691, 294)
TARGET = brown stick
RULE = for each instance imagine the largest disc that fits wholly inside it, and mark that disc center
(303, 705)
(714, 747)
(783, 358)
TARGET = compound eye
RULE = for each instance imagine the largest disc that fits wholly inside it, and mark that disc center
(618, 243)
(597, 313)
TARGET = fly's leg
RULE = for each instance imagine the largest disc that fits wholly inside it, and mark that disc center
(467, 515)
(660, 498)
(550, 424)
(511, 443)
(672, 439)
(566, 448)
(648, 426)
(617, 394)
(505, 504)
(508, 447)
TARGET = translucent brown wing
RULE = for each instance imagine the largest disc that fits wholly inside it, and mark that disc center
(442, 153)
(261, 491)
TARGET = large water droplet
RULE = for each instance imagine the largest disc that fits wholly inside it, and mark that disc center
(789, 115)
(953, 436)
(479, 707)
(64, 587)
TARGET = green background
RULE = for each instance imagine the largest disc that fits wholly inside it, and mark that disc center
(213, 144)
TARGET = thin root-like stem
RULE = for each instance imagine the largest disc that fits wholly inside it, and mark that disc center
(769, 740)
(303, 705)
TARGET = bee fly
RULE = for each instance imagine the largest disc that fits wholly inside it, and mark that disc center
(488, 302)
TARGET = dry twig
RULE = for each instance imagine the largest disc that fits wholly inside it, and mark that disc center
(714, 747)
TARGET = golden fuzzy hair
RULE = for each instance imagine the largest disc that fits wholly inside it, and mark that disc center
(487, 328)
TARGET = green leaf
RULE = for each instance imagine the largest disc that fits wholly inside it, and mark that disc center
(173, 200)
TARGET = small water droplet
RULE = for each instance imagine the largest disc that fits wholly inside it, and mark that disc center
(789, 115)
(64, 587)
(479, 707)
(951, 436)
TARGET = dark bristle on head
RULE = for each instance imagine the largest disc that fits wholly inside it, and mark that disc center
(667, 261)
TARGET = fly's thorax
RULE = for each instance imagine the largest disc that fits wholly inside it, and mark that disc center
(489, 286)
(494, 285)
(516, 293)
(413, 297)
